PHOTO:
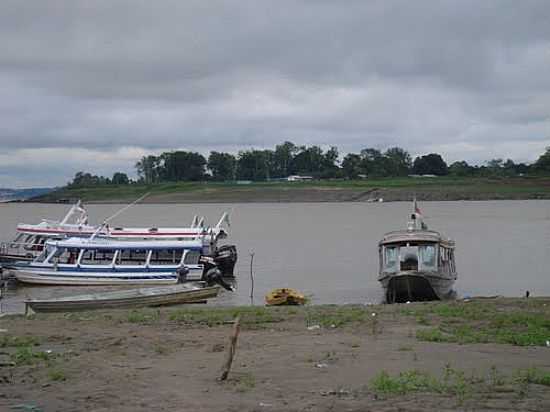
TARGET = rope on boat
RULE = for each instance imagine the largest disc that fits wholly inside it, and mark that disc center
(100, 228)
(126, 207)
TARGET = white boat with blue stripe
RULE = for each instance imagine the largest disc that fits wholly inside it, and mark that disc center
(103, 261)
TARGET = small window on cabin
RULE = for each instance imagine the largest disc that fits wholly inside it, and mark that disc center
(426, 255)
(445, 254)
(166, 257)
(97, 257)
(134, 257)
(65, 256)
(192, 257)
(391, 259)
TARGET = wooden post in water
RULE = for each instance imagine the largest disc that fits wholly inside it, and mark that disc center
(251, 279)
(232, 347)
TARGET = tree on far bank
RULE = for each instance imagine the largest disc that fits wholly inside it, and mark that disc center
(148, 169)
(397, 162)
(461, 168)
(222, 166)
(283, 159)
(351, 166)
(431, 164)
(83, 179)
(182, 166)
(120, 178)
(254, 165)
(542, 165)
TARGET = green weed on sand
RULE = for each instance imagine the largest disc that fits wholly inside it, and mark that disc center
(476, 322)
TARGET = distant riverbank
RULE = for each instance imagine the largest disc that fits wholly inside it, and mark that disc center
(396, 189)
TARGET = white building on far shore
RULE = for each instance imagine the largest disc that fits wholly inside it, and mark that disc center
(297, 178)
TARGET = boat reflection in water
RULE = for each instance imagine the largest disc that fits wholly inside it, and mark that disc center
(417, 264)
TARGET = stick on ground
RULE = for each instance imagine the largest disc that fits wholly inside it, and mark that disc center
(231, 349)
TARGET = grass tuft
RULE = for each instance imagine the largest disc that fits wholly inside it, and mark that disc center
(26, 356)
(18, 341)
(254, 315)
(57, 375)
(477, 322)
(143, 316)
(456, 383)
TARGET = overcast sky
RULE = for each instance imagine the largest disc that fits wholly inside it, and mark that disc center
(94, 85)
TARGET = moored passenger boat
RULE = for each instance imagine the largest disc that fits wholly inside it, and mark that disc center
(417, 264)
(30, 238)
(100, 261)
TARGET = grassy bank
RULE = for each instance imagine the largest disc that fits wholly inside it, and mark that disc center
(329, 357)
(390, 189)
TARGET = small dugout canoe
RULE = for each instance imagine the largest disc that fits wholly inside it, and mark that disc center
(133, 298)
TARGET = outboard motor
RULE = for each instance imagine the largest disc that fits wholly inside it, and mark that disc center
(225, 259)
(214, 276)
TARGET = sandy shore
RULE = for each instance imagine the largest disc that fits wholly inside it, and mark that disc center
(169, 359)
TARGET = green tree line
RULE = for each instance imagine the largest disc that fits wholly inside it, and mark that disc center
(288, 159)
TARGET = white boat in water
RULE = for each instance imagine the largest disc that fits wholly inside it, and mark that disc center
(30, 238)
(104, 261)
(417, 264)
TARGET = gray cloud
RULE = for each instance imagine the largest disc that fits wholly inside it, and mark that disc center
(113, 79)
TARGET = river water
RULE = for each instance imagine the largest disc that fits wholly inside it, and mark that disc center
(329, 250)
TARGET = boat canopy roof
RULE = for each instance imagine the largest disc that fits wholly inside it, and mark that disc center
(421, 236)
(47, 228)
(107, 243)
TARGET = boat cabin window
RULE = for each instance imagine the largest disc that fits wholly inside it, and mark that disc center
(427, 257)
(65, 256)
(97, 257)
(135, 257)
(409, 257)
(166, 257)
(192, 257)
(391, 259)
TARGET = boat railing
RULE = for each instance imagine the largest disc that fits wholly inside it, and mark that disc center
(418, 231)
(14, 247)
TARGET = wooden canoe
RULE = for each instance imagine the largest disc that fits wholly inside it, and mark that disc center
(132, 298)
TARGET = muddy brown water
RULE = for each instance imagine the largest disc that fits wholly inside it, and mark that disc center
(329, 250)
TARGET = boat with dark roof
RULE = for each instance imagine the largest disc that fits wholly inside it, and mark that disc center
(417, 264)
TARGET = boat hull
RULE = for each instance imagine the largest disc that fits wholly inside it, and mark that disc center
(417, 286)
(172, 295)
(75, 278)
